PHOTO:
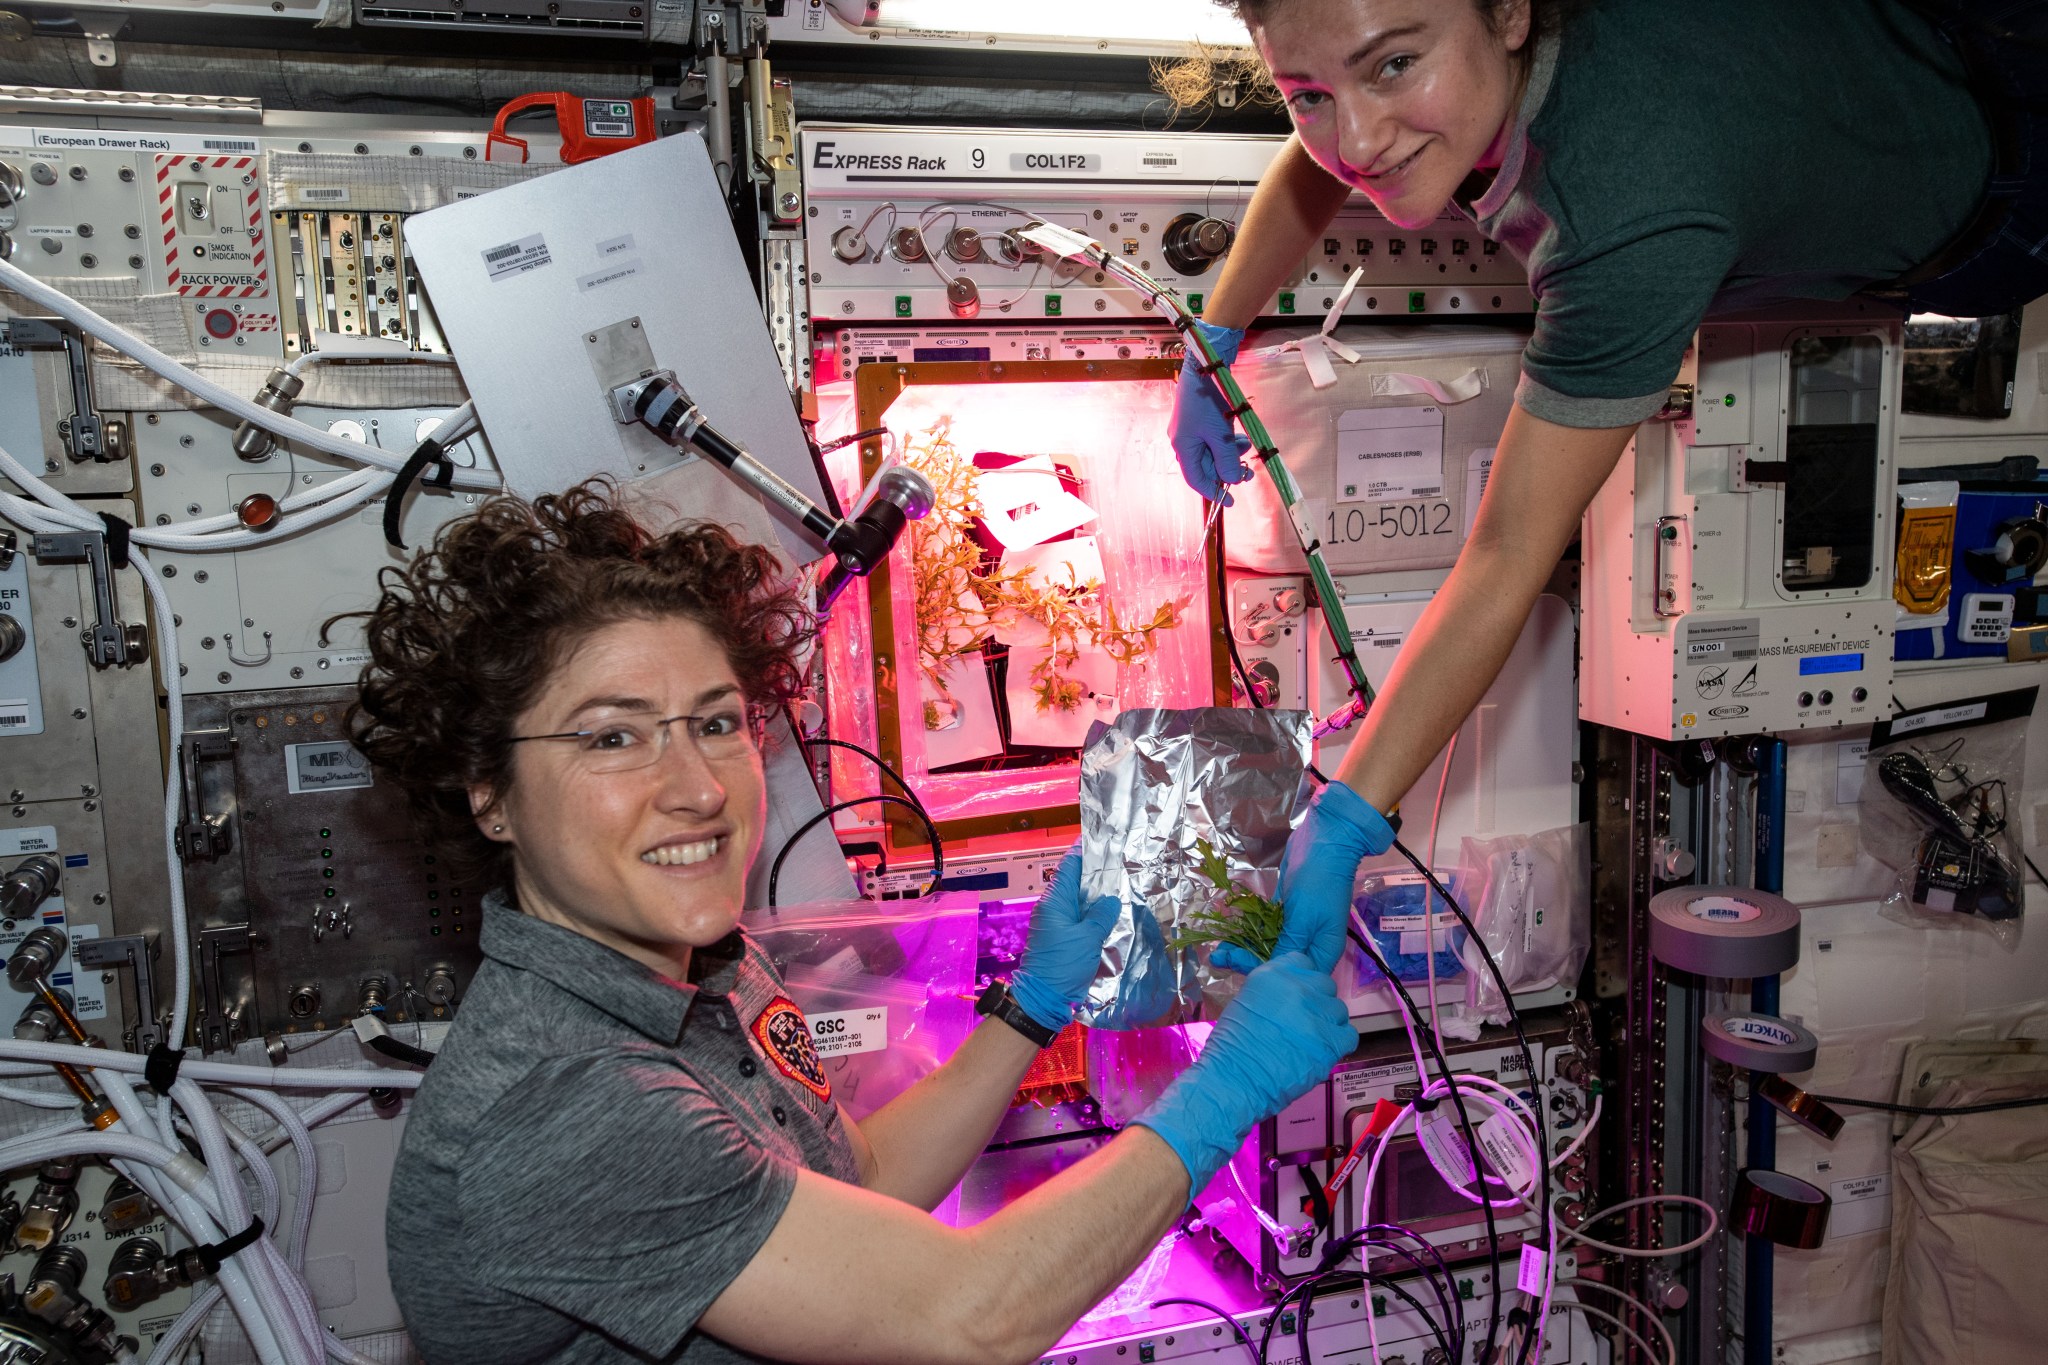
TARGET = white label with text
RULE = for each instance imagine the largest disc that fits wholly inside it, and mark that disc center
(845, 1032)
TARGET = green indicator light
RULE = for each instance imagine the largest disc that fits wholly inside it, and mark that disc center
(433, 895)
(1195, 304)
(328, 892)
(1416, 301)
(327, 834)
(327, 853)
(327, 872)
(1729, 401)
(1287, 303)
(435, 932)
(903, 305)
(1052, 305)
(434, 913)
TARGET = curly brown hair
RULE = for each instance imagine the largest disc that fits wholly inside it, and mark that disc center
(465, 637)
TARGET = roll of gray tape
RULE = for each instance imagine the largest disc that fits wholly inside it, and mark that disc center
(1731, 931)
(1758, 1042)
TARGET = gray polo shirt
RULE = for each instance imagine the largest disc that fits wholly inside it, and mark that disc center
(598, 1151)
(1676, 157)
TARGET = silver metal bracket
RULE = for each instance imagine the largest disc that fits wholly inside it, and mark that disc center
(222, 1022)
(108, 642)
(626, 396)
(133, 951)
(202, 837)
(85, 434)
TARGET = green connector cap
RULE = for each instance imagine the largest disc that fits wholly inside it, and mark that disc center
(903, 305)
(1052, 305)
(1287, 303)
(1195, 304)
(1416, 301)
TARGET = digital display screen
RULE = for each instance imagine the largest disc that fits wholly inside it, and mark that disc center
(1420, 1194)
(1830, 663)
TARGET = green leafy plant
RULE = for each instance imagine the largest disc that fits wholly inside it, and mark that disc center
(1245, 918)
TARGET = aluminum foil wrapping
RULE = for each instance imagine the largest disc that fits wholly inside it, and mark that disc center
(1152, 784)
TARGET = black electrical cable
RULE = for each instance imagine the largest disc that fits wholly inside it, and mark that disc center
(2035, 870)
(1244, 1338)
(1452, 1342)
(931, 832)
(1543, 1214)
(1936, 1110)
(870, 755)
(1446, 1289)
(1457, 1098)
(844, 441)
(1244, 677)
(401, 1052)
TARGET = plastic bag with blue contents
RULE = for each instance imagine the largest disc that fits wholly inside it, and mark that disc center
(1409, 923)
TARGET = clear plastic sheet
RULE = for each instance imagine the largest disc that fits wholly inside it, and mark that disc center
(1944, 790)
(1531, 899)
(1154, 783)
(887, 986)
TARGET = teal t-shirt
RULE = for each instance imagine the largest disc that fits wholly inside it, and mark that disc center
(1673, 158)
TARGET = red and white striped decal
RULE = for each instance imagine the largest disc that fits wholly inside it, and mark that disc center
(168, 210)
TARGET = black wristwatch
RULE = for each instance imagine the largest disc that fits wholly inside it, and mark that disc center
(998, 1001)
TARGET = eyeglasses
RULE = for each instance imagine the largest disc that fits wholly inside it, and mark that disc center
(631, 742)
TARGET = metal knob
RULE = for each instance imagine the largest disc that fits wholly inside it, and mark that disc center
(963, 245)
(33, 881)
(907, 244)
(963, 297)
(11, 186)
(12, 638)
(39, 1023)
(848, 244)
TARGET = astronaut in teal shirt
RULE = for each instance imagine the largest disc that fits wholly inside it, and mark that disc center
(1650, 162)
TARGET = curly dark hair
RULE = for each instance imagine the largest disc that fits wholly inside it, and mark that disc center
(464, 638)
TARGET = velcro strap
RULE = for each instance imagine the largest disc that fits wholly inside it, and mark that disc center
(117, 534)
(441, 475)
(161, 1070)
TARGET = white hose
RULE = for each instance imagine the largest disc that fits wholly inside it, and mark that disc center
(228, 401)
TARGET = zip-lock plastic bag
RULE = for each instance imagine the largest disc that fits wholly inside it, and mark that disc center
(1532, 905)
(887, 986)
(1943, 787)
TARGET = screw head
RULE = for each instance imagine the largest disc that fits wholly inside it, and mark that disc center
(78, 713)
(222, 677)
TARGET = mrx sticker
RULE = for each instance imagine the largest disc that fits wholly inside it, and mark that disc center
(785, 1035)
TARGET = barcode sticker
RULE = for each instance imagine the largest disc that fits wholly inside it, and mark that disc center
(227, 144)
(13, 713)
(323, 194)
(1509, 1159)
(516, 258)
(1445, 1148)
(1534, 1275)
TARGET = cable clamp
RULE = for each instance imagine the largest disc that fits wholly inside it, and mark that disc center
(161, 1070)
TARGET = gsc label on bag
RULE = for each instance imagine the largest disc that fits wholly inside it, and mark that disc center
(845, 1032)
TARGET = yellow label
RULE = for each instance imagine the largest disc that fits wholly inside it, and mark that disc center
(1688, 720)
(1927, 542)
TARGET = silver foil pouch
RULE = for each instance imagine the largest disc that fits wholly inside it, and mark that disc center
(1153, 784)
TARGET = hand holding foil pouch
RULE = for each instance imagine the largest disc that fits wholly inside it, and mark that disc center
(1320, 871)
(1156, 786)
(1064, 946)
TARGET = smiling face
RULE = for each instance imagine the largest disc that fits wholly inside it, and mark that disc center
(650, 861)
(1402, 99)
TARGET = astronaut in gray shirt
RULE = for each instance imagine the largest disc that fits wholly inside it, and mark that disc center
(627, 1149)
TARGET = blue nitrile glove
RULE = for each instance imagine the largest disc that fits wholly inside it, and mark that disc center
(1211, 453)
(1063, 948)
(1282, 1034)
(1320, 868)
